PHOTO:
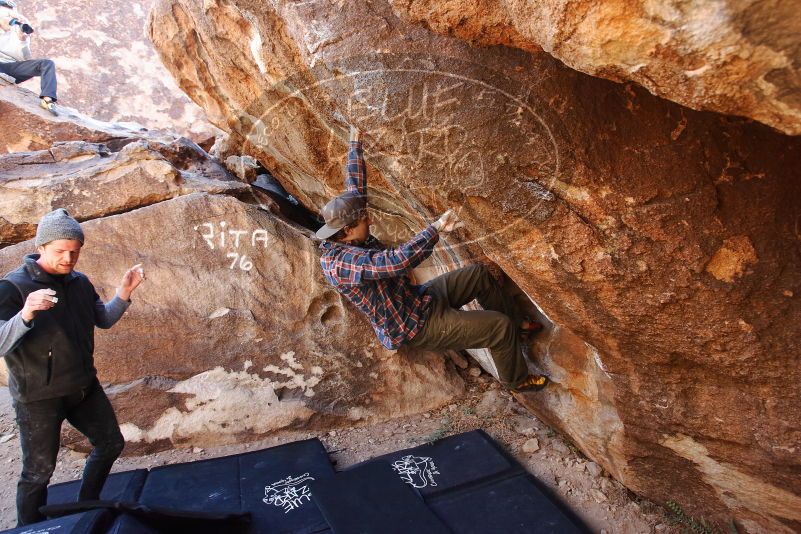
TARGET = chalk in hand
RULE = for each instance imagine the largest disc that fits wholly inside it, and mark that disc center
(54, 299)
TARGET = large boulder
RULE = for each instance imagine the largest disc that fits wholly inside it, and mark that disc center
(235, 333)
(25, 126)
(662, 242)
(741, 58)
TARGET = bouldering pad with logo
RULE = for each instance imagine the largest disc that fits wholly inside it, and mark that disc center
(372, 500)
(464, 484)
(474, 486)
(272, 484)
(449, 463)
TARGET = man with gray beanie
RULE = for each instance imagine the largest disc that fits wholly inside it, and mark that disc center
(48, 313)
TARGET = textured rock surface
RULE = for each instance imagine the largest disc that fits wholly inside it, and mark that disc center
(107, 67)
(662, 243)
(740, 58)
(25, 126)
(235, 333)
(95, 182)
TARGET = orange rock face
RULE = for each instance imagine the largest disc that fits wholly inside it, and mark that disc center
(738, 58)
(662, 243)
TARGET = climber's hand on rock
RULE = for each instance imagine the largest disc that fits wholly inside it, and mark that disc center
(448, 222)
(355, 134)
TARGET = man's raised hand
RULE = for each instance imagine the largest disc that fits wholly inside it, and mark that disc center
(37, 301)
(355, 134)
(130, 281)
(448, 222)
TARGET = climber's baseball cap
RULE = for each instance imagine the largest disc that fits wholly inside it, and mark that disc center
(343, 210)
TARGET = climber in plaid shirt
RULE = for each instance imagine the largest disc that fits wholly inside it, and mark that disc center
(376, 280)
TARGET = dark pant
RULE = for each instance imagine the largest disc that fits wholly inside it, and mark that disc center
(495, 328)
(23, 71)
(90, 412)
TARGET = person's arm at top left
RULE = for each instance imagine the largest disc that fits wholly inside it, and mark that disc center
(25, 42)
(26, 47)
(107, 314)
(356, 173)
(24, 38)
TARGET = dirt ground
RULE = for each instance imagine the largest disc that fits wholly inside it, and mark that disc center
(604, 504)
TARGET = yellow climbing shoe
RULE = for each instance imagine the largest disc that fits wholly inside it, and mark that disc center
(48, 104)
(531, 383)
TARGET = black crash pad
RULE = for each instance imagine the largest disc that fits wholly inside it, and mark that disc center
(272, 484)
(127, 524)
(474, 486)
(123, 486)
(94, 522)
(450, 463)
(371, 499)
(516, 504)
(168, 520)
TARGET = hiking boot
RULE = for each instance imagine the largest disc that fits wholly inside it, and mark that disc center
(531, 383)
(48, 104)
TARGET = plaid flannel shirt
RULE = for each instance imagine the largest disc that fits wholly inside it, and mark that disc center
(376, 280)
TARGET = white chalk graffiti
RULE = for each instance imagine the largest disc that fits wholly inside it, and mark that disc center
(417, 471)
(223, 237)
(288, 493)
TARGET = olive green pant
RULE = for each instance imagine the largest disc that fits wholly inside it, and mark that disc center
(494, 328)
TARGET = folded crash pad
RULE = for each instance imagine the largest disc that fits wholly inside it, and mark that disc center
(371, 499)
(168, 520)
(123, 486)
(127, 524)
(272, 484)
(93, 522)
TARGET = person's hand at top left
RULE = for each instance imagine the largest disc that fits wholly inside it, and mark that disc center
(21, 35)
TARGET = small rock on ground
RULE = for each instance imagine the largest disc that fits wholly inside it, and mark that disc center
(524, 425)
(458, 360)
(560, 447)
(594, 469)
(492, 403)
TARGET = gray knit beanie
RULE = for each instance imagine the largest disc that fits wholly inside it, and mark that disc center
(58, 225)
